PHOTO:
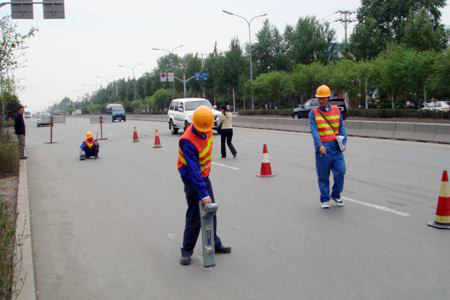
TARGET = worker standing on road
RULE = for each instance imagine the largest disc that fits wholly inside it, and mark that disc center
(194, 165)
(89, 147)
(330, 138)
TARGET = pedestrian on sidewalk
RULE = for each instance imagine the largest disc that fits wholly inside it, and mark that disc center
(330, 137)
(194, 165)
(19, 128)
(225, 122)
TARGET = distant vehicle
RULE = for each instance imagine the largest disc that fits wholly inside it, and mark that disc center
(117, 112)
(302, 111)
(27, 114)
(181, 111)
(43, 118)
(437, 106)
(76, 112)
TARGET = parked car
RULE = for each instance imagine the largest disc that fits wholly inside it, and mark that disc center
(181, 110)
(437, 106)
(302, 111)
(43, 118)
(117, 112)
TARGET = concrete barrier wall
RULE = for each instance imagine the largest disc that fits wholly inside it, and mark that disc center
(423, 132)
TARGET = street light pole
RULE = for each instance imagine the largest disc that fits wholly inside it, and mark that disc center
(249, 22)
(134, 77)
(170, 52)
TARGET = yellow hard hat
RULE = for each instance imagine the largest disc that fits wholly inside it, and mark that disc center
(323, 91)
(203, 118)
(89, 135)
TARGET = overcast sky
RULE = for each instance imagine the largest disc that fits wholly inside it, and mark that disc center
(66, 56)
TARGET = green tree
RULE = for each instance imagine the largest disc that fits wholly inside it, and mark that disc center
(311, 41)
(367, 40)
(275, 87)
(421, 34)
(306, 79)
(440, 80)
(234, 69)
(382, 22)
(269, 51)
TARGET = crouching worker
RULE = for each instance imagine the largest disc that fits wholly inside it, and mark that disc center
(194, 165)
(89, 147)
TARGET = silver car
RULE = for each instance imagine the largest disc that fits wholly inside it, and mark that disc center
(43, 118)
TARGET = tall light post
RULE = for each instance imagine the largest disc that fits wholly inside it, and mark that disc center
(170, 52)
(249, 22)
(132, 68)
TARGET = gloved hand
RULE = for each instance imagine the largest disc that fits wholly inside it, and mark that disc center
(206, 200)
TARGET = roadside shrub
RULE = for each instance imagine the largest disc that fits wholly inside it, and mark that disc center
(399, 113)
(9, 159)
(266, 112)
(8, 123)
(7, 242)
(370, 113)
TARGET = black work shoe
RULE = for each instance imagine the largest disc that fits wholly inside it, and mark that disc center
(185, 260)
(223, 250)
(23, 157)
(234, 155)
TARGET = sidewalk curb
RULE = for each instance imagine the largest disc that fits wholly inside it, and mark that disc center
(24, 271)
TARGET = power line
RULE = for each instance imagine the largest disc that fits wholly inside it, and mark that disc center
(345, 19)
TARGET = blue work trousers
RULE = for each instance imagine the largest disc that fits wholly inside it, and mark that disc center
(332, 161)
(193, 223)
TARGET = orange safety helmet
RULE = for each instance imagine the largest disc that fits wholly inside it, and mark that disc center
(203, 118)
(323, 91)
(89, 135)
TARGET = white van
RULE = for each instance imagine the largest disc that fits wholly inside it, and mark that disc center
(181, 111)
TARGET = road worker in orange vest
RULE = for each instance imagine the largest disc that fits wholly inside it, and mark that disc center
(194, 165)
(89, 147)
(330, 138)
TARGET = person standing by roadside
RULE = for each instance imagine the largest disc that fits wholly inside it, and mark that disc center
(19, 128)
(226, 132)
(330, 137)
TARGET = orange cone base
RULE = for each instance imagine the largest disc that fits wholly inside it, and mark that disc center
(266, 170)
(438, 225)
(271, 175)
(157, 146)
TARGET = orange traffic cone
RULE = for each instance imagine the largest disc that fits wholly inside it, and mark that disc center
(157, 141)
(135, 135)
(442, 219)
(266, 170)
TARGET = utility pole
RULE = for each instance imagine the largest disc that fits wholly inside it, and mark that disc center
(345, 19)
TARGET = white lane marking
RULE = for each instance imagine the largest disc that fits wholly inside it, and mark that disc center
(171, 236)
(225, 166)
(379, 207)
(165, 150)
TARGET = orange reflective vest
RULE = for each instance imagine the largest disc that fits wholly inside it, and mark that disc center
(204, 148)
(327, 133)
(89, 144)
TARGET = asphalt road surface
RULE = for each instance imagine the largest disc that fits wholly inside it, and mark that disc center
(112, 228)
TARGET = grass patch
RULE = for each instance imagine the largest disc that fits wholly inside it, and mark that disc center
(9, 159)
(8, 123)
(7, 243)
